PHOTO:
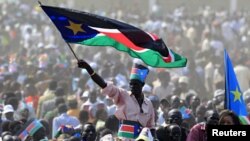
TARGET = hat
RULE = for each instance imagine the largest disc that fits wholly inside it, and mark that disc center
(219, 92)
(8, 109)
(139, 72)
(183, 79)
(85, 94)
(145, 135)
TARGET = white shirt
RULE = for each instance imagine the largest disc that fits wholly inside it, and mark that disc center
(243, 76)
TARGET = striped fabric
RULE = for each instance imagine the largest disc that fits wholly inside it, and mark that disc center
(23, 135)
(84, 28)
(244, 120)
(129, 129)
(139, 72)
(32, 127)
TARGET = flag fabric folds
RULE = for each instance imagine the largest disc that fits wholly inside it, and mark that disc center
(29, 129)
(233, 95)
(93, 30)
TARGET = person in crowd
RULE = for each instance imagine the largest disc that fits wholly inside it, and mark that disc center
(164, 108)
(174, 116)
(53, 113)
(199, 131)
(228, 117)
(183, 82)
(92, 105)
(112, 123)
(145, 135)
(8, 112)
(83, 118)
(101, 117)
(132, 108)
(47, 95)
(73, 107)
(50, 104)
(31, 95)
(218, 99)
(165, 88)
(63, 119)
(156, 104)
(175, 132)
(195, 102)
(46, 127)
(106, 135)
(242, 72)
(175, 102)
(89, 132)
(200, 113)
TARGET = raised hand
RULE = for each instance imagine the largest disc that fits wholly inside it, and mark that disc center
(83, 64)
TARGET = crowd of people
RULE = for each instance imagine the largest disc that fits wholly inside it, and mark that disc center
(47, 95)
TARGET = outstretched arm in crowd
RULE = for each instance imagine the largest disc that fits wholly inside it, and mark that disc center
(95, 77)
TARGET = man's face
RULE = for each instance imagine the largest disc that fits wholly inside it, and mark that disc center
(9, 115)
(93, 96)
(175, 133)
(25, 113)
(213, 119)
(136, 86)
(89, 132)
(175, 102)
(195, 101)
(175, 116)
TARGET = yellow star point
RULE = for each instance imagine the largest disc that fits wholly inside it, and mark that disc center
(75, 27)
(237, 95)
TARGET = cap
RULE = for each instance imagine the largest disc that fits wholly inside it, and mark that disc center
(145, 135)
(85, 94)
(139, 71)
(8, 109)
(219, 92)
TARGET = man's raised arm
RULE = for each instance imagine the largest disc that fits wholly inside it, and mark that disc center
(94, 76)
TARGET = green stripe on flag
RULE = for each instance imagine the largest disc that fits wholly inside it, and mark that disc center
(244, 120)
(126, 135)
(149, 57)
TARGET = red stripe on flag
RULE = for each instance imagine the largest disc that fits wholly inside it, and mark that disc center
(169, 58)
(134, 71)
(31, 126)
(248, 117)
(127, 128)
(123, 39)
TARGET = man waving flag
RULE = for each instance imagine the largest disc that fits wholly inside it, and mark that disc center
(93, 30)
(233, 95)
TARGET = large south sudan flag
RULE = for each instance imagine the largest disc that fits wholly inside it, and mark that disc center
(93, 30)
